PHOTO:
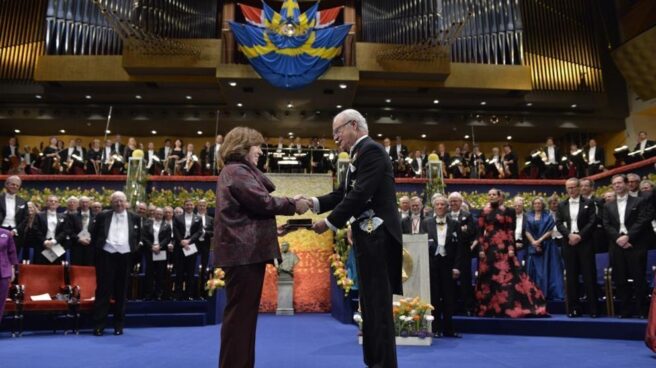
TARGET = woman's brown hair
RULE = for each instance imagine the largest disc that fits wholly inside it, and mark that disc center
(237, 143)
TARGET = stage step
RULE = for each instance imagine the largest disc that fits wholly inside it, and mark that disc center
(557, 325)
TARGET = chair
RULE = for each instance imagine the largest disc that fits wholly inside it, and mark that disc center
(45, 279)
(83, 284)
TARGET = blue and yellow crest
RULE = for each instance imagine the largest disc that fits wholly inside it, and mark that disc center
(289, 49)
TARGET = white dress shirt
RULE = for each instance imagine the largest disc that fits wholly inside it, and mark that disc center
(643, 145)
(108, 153)
(151, 154)
(551, 154)
(10, 214)
(52, 224)
(591, 155)
(519, 224)
(441, 235)
(399, 149)
(189, 217)
(118, 239)
(621, 210)
(85, 220)
(167, 152)
(574, 213)
(156, 227)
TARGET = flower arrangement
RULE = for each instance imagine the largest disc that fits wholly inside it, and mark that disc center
(215, 282)
(338, 261)
(412, 317)
(160, 198)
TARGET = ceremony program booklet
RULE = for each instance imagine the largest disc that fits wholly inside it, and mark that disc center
(191, 250)
(54, 252)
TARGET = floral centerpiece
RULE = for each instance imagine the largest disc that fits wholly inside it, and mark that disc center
(412, 318)
(338, 261)
(215, 282)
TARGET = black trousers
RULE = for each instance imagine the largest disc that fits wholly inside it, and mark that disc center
(112, 272)
(82, 255)
(378, 335)
(204, 250)
(630, 264)
(155, 277)
(442, 291)
(580, 260)
(465, 289)
(243, 286)
(184, 274)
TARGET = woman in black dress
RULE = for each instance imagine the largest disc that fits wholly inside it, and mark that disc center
(51, 161)
(502, 288)
(174, 164)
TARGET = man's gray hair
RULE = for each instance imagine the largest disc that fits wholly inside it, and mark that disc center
(118, 194)
(438, 197)
(354, 115)
(455, 195)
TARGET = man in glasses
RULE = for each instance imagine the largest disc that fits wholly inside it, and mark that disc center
(367, 199)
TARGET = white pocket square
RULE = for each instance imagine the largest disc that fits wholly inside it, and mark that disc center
(352, 167)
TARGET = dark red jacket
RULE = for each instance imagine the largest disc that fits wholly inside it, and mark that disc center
(245, 222)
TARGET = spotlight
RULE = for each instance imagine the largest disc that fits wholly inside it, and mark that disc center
(138, 97)
(389, 100)
(509, 137)
(342, 85)
(188, 97)
(573, 106)
(436, 102)
(423, 135)
(38, 97)
(529, 104)
(232, 84)
(239, 104)
(62, 131)
(466, 136)
(88, 97)
(339, 106)
(17, 131)
(153, 132)
(200, 132)
(483, 103)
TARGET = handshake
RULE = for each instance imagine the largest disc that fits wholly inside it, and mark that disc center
(302, 203)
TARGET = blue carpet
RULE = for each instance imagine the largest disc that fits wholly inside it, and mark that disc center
(307, 341)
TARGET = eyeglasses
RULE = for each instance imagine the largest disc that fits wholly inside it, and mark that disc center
(339, 128)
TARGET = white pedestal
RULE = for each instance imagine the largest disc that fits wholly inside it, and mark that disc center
(285, 298)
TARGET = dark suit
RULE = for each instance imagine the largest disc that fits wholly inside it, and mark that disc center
(204, 242)
(378, 253)
(468, 233)
(647, 145)
(551, 169)
(20, 212)
(184, 270)
(60, 237)
(406, 225)
(579, 259)
(112, 269)
(6, 155)
(600, 239)
(630, 263)
(510, 163)
(394, 155)
(442, 284)
(599, 159)
(80, 254)
(155, 270)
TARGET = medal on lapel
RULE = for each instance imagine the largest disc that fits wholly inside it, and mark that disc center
(370, 225)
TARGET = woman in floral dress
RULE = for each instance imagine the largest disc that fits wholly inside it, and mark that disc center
(502, 289)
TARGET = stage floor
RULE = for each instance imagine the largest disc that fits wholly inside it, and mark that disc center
(310, 340)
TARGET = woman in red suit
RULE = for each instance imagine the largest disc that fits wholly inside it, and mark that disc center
(7, 262)
(246, 239)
